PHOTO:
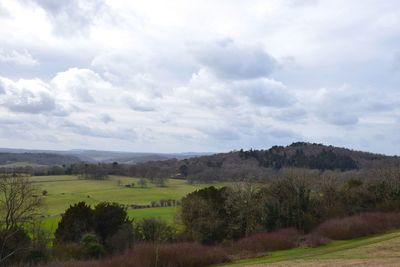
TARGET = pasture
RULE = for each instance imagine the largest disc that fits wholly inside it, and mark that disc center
(65, 190)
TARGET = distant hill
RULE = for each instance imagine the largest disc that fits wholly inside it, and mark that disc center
(8, 159)
(197, 166)
(261, 163)
(25, 157)
(127, 157)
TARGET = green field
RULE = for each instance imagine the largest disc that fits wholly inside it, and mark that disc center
(64, 190)
(380, 250)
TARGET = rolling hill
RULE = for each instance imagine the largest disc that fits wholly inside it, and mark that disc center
(26, 157)
(261, 163)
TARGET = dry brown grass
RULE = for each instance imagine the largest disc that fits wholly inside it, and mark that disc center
(362, 224)
(268, 241)
(157, 255)
(387, 262)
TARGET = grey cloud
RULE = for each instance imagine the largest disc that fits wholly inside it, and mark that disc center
(72, 16)
(121, 134)
(282, 133)
(18, 57)
(29, 102)
(31, 96)
(341, 118)
(7, 121)
(226, 134)
(345, 106)
(265, 92)
(106, 118)
(230, 61)
(339, 106)
(139, 104)
(269, 135)
(26, 97)
(291, 114)
(2, 87)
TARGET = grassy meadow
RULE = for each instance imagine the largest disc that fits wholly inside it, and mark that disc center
(377, 250)
(64, 190)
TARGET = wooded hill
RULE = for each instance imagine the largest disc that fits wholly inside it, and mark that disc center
(234, 165)
(261, 163)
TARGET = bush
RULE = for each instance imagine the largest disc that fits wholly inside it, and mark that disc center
(122, 239)
(91, 246)
(315, 240)
(190, 255)
(359, 225)
(269, 241)
(15, 245)
(67, 251)
(108, 219)
(162, 255)
(77, 220)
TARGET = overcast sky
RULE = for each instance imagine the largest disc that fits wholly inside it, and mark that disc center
(173, 76)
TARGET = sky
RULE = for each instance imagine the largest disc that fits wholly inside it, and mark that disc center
(179, 76)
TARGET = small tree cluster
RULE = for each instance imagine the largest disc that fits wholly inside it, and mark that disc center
(109, 223)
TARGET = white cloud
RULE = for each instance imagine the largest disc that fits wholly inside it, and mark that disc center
(250, 74)
(229, 61)
(139, 103)
(82, 85)
(70, 17)
(347, 105)
(20, 58)
(27, 96)
(266, 92)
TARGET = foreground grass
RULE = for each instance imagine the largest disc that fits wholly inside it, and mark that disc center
(365, 251)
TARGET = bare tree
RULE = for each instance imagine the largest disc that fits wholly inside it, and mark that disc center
(20, 202)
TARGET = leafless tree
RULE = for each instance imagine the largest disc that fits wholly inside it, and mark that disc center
(20, 203)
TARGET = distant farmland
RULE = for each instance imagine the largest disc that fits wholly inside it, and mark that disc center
(62, 191)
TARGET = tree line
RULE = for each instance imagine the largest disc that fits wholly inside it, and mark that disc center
(300, 200)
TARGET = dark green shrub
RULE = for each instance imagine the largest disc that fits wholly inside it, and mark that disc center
(77, 220)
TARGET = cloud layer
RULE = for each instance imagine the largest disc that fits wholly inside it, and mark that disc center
(199, 75)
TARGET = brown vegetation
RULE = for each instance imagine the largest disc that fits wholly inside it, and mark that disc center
(359, 225)
(157, 255)
(268, 241)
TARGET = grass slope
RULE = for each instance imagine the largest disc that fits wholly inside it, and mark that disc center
(380, 250)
